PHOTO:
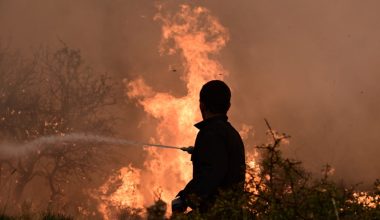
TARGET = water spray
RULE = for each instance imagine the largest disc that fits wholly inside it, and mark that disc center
(17, 149)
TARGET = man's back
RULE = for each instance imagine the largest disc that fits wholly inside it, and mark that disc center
(218, 160)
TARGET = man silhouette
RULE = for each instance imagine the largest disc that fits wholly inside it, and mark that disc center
(218, 155)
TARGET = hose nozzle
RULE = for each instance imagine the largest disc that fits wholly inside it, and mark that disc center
(188, 149)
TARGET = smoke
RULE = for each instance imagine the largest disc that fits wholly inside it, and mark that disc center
(310, 67)
(16, 150)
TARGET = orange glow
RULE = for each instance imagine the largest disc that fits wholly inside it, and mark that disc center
(366, 200)
(195, 35)
(126, 194)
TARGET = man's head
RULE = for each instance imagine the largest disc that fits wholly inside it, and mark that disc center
(214, 98)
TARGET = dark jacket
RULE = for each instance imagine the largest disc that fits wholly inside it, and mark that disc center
(218, 162)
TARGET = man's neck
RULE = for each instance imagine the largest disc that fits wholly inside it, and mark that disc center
(211, 115)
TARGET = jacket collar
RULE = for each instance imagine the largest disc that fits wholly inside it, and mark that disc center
(203, 123)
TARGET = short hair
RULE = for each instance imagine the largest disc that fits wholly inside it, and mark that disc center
(216, 96)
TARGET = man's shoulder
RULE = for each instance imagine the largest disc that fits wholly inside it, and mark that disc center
(219, 128)
(215, 126)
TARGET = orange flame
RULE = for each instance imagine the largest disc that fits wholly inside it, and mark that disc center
(196, 35)
(124, 195)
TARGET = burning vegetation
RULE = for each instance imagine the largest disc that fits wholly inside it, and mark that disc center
(55, 93)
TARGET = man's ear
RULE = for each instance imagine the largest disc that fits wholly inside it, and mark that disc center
(229, 105)
(202, 106)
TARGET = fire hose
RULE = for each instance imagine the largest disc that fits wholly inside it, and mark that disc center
(187, 149)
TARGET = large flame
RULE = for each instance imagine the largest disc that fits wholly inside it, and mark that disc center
(195, 35)
(120, 191)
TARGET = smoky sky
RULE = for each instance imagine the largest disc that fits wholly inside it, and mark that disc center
(310, 67)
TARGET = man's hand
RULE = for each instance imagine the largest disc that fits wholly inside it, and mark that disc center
(189, 149)
(179, 205)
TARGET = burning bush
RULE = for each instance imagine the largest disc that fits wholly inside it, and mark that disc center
(280, 188)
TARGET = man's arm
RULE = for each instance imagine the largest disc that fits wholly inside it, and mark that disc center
(211, 161)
